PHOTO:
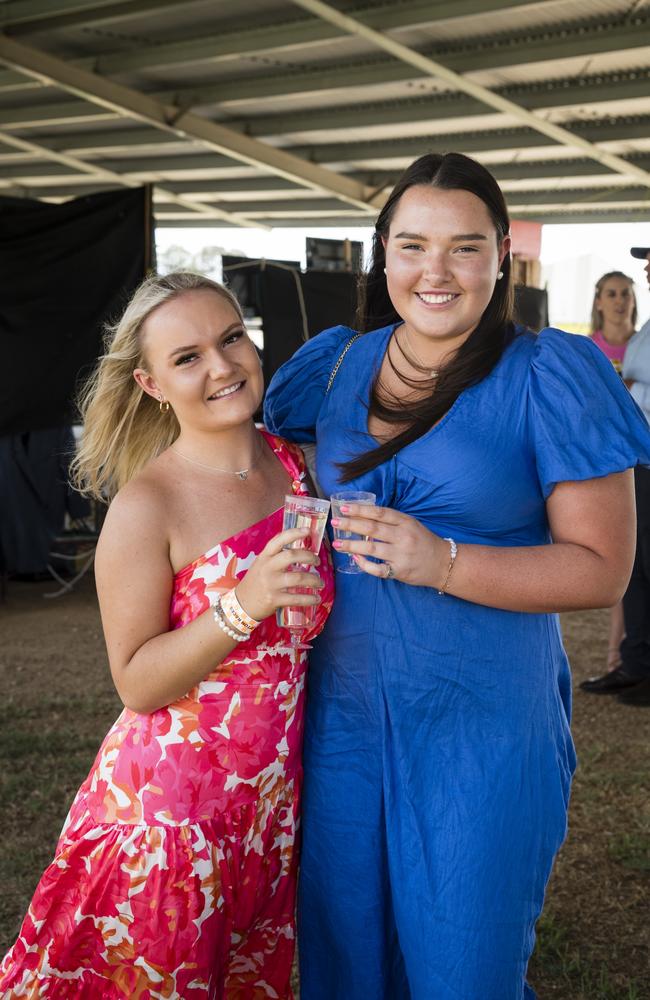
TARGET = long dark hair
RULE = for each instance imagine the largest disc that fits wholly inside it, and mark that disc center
(478, 355)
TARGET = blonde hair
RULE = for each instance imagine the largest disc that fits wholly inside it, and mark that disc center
(596, 314)
(123, 426)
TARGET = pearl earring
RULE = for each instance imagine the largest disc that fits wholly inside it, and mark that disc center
(499, 275)
(385, 271)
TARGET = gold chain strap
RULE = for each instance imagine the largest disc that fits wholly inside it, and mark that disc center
(340, 359)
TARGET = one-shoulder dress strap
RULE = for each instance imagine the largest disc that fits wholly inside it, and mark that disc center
(291, 457)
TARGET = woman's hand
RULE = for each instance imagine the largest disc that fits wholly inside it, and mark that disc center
(414, 554)
(269, 583)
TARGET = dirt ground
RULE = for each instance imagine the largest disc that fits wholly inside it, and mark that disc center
(58, 701)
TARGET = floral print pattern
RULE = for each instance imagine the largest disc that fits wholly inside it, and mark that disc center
(175, 872)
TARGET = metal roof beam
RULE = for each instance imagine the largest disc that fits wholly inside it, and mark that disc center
(131, 103)
(288, 35)
(22, 16)
(409, 56)
(268, 206)
(493, 140)
(547, 215)
(604, 34)
(556, 94)
(477, 142)
(484, 54)
(230, 190)
(104, 175)
(56, 113)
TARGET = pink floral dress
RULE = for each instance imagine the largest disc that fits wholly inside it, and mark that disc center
(175, 873)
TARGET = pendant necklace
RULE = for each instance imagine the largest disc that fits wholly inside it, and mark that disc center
(240, 473)
(433, 372)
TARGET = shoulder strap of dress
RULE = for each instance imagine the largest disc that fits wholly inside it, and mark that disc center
(291, 457)
(340, 361)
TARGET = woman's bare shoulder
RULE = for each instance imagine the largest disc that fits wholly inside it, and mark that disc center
(138, 512)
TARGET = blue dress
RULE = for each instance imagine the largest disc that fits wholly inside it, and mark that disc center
(438, 757)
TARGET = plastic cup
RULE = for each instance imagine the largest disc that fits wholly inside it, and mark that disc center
(343, 561)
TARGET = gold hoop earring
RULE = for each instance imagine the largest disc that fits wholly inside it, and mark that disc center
(163, 405)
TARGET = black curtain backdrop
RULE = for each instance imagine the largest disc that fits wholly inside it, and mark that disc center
(64, 271)
(329, 299)
(531, 307)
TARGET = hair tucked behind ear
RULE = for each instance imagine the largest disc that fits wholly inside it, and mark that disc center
(123, 427)
(478, 355)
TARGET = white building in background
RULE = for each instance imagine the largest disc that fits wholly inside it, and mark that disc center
(574, 257)
(570, 286)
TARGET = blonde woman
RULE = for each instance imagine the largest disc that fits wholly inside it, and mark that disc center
(613, 315)
(613, 320)
(175, 872)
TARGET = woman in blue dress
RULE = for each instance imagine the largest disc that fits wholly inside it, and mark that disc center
(438, 756)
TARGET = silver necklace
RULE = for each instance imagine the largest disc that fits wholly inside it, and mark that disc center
(433, 372)
(240, 473)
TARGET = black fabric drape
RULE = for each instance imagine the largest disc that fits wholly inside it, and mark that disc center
(329, 299)
(64, 271)
(531, 307)
(34, 496)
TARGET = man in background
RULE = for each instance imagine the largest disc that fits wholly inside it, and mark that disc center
(631, 680)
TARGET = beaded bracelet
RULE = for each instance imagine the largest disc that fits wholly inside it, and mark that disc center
(235, 614)
(220, 619)
(453, 552)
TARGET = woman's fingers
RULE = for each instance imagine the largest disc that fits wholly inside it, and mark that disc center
(364, 526)
(292, 557)
(364, 519)
(284, 539)
(364, 547)
(384, 515)
(296, 578)
(373, 568)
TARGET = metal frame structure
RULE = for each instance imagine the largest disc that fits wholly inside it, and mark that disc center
(291, 112)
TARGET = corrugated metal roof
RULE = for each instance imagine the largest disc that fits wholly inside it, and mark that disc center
(267, 112)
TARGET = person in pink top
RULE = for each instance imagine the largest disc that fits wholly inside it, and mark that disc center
(613, 315)
(175, 873)
(613, 319)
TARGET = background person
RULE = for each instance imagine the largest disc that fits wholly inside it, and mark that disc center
(437, 748)
(613, 319)
(175, 871)
(631, 680)
(613, 315)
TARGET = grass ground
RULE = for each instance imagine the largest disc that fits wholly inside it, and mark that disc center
(58, 701)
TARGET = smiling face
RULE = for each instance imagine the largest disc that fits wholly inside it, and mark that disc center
(442, 261)
(201, 359)
(615, 302)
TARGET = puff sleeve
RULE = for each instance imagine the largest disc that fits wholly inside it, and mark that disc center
(583, 422)
(297, 390)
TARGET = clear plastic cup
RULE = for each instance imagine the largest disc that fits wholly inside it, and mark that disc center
(343, 561)
(302, 512)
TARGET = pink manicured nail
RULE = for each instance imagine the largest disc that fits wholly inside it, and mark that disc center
(344, 509)
(335, 522)
(336, 543)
